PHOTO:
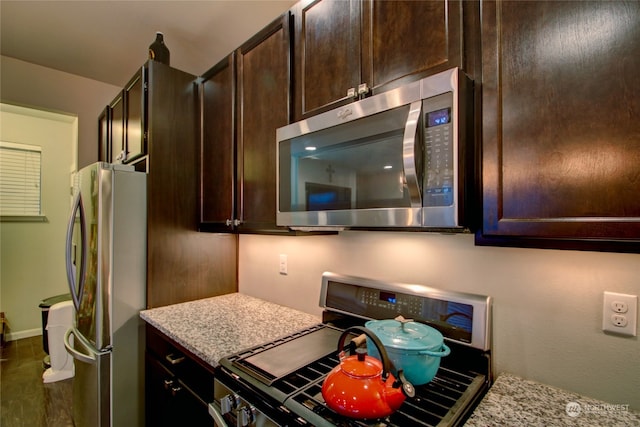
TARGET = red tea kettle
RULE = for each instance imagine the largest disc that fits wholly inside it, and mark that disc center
(362, 386)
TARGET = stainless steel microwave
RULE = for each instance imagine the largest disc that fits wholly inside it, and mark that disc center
(399, 159)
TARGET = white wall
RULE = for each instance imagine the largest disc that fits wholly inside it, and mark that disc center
(547, 303)
(32, 253)
(31, 85)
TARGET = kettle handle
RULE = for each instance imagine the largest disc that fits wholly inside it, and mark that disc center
(386, 364)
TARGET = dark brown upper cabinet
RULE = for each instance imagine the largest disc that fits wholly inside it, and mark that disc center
(561, 125)
(115, 129)
(263, 106)
(104, 138)
(122, 127)
(344, 47)
(218, 168)
(244, 99)
(135, 122)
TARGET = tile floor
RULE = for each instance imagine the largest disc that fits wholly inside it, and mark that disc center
(25, 401)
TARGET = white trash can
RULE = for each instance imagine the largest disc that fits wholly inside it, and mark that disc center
(59, 321)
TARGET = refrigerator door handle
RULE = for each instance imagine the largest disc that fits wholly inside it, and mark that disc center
(86, 358)
(76, 287)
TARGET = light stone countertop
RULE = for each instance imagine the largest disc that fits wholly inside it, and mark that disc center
(514, 402)
(212, 328)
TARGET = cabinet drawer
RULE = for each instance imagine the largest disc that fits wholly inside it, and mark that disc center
(182, 364)
(170, 402)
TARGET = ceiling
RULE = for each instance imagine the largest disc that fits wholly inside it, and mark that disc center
(108, 40)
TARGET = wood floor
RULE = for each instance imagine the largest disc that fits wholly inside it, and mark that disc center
(24, 400)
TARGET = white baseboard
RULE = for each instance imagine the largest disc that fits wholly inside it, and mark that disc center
(18, 335)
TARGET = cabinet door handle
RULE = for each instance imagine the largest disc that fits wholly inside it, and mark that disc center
(363, 89)
(175, 390)
(232, 222)
(171, 358)
(168, 384)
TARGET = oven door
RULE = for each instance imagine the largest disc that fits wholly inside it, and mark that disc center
(358, 166)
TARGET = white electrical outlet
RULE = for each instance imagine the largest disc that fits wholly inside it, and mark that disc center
(620, 313)
(283, 264)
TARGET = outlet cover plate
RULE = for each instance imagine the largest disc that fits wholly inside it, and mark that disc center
(620, 314)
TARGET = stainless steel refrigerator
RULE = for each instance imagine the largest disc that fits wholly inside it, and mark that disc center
(106, 270)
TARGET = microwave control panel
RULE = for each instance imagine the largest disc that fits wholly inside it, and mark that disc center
(439, 147)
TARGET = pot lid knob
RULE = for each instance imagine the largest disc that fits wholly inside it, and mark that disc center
(361, 353)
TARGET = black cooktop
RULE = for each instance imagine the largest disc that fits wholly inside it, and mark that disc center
(445, 401)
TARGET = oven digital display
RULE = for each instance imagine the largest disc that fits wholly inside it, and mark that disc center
(438, 117)
(388, 297)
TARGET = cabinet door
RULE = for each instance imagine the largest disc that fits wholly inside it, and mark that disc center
(178, 387)
(561, 124)
(404, 41)
(263, 82)
(217, 102)
(169, 402)
(327, 54)
(135, 101)
(104, 140)
(116, 128)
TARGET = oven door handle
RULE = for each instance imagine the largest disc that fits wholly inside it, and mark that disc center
(218, 419)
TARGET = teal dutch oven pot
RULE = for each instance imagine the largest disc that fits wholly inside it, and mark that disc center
(411, 346)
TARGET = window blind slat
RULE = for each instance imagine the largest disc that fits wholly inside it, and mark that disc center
(20, 181)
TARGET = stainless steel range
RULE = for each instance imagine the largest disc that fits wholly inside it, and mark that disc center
(279, 383)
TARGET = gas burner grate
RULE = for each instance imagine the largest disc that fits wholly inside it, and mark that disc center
(435, 403)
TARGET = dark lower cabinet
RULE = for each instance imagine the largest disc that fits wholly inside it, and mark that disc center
(178, 387)
(561, 124)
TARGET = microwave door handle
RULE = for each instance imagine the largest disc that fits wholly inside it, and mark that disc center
(409, 156)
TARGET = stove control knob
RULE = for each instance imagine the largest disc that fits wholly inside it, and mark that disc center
(246, 416)
(229, 403)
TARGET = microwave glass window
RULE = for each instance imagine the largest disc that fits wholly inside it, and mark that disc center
(335, 169)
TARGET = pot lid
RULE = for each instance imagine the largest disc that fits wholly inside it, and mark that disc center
(406, 334)
(361, 366)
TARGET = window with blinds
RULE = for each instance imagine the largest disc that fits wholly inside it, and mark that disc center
(20, 180)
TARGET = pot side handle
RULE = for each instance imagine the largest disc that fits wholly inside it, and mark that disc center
(444, 351)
